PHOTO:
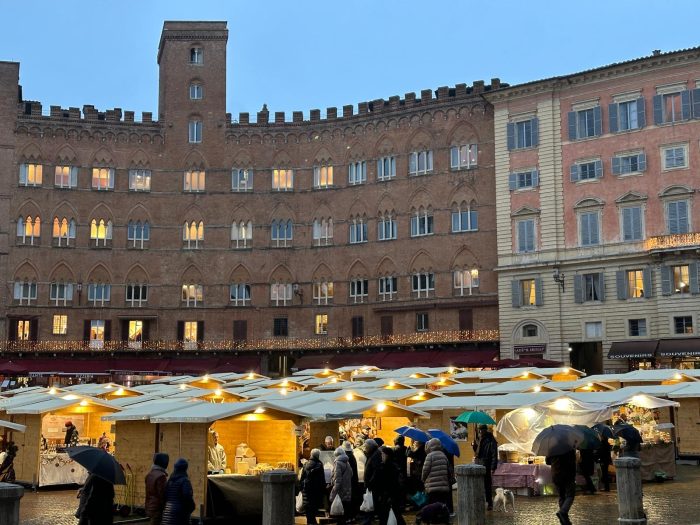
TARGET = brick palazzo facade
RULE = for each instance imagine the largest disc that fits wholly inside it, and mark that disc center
(196, 231)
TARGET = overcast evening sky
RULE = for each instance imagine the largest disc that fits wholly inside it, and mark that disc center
(306, 54)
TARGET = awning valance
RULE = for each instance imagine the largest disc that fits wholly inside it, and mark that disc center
(679, 347)
(633, 349)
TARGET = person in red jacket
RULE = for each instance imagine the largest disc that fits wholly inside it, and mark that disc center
(156, 480)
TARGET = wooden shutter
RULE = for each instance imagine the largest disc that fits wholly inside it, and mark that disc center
(574, 172)
(598, 169)
(695, 95)
(539, 292)
(516, 297)
(693, 275)
(686, 107)
(510, 132)
(12, 331)
(512, 182)
(358, 327)
(627, 233)
(616, 166)
(579, 291)
(387, 325)
(124, 329)
(612, 117)
(108, 330)
(666, 280)
(535, 131)
(34, 326)
(621, 284)
(146, 333)
(642, 162)
(181, 330)
(672, 211)
(658, 110)
(601, 284)
(86, 330)
(597, 121)
(647, 279)
(466, 319)
(594, 228)
(641, 113)
(636, 223)
(200, 331)
(535, 178)
(585, 229)
(573, 135)
(240, 330)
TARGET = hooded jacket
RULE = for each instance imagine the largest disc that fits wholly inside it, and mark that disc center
(313, 483)
(341, 480)
(436, 469)
(156, 480)
(179, 501)
(374, 461)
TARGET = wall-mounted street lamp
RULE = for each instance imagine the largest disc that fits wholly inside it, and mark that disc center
(558, 278)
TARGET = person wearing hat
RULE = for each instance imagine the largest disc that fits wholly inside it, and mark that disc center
(487, 455)
(179, 500)
(156, 480)
(71, 438)
(387, 493)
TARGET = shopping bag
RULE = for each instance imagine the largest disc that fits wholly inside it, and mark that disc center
(300, 502)
(337, 506)
(367, 502)
(392, 518)
(419, 498)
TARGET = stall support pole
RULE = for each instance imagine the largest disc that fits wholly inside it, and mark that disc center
(471, 500)
(9, 503)
(278, 497)
(629, 491)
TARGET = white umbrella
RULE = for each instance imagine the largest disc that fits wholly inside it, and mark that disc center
(13, 426)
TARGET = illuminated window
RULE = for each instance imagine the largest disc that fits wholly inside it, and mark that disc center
(135, 330)
(192, 294)
(136, 294)
(30, 174)
(635, 283)
(681, 279)
(321, 326)
(528, 292)
(24, 292)
(194, 180)
(388, 287)
(97, 333)
(100, 231)
(421, 222)
(241, 179)
(63, 231)
(65, 177)
(358, 230)
(463, 157)
(323, 292)
(282, 233)
(282, 180)
(357, 172)
(196, 55)
(190, 331)
(280, 294)
(99, 293)
(23, 330)
(193, 234)
(422, 322)
(139, 180)
(137, 233)
(196, 91)
(465, 281)
(102, 179)
(420, 162)
(28, 230)
(323, 231)
(464, 217)
(240, 294)
(386, 227)
(242, 234)
(61, 293)
(323, 176)
(423, 284)
(386, 168)
(359, 290)
(60, 325)
(195, 131)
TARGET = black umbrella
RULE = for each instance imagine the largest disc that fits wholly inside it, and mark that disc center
(628, 433)
(98, 462)
(604, 430)
(557, 439)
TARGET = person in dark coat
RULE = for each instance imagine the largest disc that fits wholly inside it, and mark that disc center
(401, 460)
(96, 501)
(564, 478)
(605, 460)
(356, 500)
(587, 467)
(71, 437)
(372, 479)
(633, 439)
(436, 474)
(179, 501)
(7, 467)
(156, 480)
(313, 485)
(387, 493)
(341, 483)
(416, 453)
(487, 455)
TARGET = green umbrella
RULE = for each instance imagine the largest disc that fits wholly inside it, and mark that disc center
(479, 418)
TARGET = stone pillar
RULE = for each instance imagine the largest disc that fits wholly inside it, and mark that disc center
(629, 491)
(471, 501)
(278, 497)
(9, 503)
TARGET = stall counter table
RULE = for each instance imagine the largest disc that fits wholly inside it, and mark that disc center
(530, 477)
(58, 469)
(235, 496)
(658, 457)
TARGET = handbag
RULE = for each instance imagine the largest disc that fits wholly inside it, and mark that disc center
(300, 502)
(367, 502)
(337, 508)
(420, 498)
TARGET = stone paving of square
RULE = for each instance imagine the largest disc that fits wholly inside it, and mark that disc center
(674, 503)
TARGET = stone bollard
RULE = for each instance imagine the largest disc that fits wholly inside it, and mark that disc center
(471, 502)
(278, 497)
(9, 503)
(629, 491)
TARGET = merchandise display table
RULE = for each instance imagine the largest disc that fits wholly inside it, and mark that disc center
(518, 476)
(58, 469)
(658, 458)
(235, 496)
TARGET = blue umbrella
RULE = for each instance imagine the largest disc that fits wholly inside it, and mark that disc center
(449, 444)
(416, 434)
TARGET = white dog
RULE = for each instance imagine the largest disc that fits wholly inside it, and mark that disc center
(502, 498)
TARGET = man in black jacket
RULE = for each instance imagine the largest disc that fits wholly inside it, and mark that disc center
(564, 478)
(372, 468)
(487, 455)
